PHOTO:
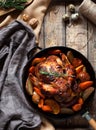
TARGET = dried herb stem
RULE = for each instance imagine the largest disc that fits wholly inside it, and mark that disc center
(55, 74)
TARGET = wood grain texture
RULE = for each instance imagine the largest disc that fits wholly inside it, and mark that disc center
(76, 34)
(80, 35)
(92, 44)
(53, 28)
(41, 37)
(92, 58)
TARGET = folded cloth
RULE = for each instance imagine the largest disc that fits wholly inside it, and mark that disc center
(16, 41)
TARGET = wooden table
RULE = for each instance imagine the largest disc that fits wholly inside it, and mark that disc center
(80, 35)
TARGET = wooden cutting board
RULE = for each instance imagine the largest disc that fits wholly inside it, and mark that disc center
(6, 11)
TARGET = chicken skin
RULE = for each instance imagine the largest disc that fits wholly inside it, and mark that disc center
(55, 78)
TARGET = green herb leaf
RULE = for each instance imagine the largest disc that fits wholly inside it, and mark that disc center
(17, 4)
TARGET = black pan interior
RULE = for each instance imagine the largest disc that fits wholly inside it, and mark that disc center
(77, 54)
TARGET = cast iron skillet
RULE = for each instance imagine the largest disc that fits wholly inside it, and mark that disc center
(60, 117)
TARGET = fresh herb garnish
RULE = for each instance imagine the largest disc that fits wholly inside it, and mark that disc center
(55, 74)
(17, 4)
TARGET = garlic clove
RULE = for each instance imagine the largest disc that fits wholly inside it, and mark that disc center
(65, 17)
(71, 8)
(74, 16)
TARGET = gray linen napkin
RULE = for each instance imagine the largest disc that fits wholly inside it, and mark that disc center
(16, 41)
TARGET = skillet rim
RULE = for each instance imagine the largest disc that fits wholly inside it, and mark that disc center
(89, 69)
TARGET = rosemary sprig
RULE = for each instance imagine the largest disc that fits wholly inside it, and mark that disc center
(55, 74)
(17, 4)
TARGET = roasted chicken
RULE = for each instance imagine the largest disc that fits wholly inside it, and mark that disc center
(55, 77)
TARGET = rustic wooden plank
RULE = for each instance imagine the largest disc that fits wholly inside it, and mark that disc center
(76, 35)
(92, 59)
(54, 29)
(92, 44)
(41, 37)
(76, 38)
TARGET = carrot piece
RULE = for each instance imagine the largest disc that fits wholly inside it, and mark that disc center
(54, 52)
(77, 107)
(39, 92)
(86, 84)
(40, 104)
(31, 69)
(79, 68)
(80, 101)
(38, 60)
(46, 108)
(54, 105)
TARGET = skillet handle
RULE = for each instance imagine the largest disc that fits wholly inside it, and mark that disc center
(91, 121)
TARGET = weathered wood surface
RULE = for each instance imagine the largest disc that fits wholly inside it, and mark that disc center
(81, 36)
